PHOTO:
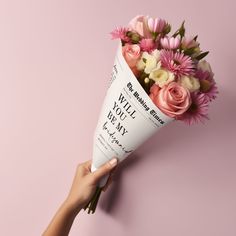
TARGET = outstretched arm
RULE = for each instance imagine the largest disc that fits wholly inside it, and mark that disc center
(82, 189)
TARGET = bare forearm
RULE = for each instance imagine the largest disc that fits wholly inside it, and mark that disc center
(83, 187)
(62, 221)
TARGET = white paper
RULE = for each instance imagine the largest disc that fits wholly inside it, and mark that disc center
(128, 116)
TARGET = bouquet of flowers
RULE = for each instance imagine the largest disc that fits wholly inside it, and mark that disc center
(156, 78)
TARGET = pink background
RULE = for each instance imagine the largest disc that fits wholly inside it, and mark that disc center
(55, 62)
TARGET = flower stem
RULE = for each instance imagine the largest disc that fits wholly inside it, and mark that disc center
(92, 204)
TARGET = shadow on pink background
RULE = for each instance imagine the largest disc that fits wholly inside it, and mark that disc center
(55, 63)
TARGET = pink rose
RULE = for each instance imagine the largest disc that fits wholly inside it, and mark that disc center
(172, 99)
(136, 71)
(131, 53)
(139, 24)
(154, 91)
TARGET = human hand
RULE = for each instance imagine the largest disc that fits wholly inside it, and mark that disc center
(85, 183)
(83, 187)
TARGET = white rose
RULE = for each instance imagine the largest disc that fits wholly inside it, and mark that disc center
(142, 62)
(190, 83)
(149, 62)
(162, 77)
(204, 66)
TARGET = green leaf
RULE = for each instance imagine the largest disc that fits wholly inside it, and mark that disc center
(167, 29)
(180, 31)
(195, 38)
(201, 56)
(135, 38)
(189, 51)
(154, 35)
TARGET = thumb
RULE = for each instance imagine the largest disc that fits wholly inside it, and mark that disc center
(104, 169)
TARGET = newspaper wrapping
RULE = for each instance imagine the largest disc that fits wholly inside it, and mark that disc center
(127, 119)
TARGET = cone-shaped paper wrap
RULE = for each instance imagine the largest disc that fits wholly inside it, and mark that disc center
(127, 119)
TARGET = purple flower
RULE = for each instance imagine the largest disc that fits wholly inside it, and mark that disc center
(198, 110)
(177, 62)
(207, 84)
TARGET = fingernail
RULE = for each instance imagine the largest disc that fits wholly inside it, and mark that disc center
(113, 162)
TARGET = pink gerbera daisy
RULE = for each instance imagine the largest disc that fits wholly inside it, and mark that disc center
(177, 62)
(198, 111)
(208, 86)
(120, 33)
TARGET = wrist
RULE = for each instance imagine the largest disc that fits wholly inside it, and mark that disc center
(71, 207)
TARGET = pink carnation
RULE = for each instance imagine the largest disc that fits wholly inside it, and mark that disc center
(147, 45)
(120, 33)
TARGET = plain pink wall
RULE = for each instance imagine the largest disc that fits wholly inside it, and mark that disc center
(55, 62)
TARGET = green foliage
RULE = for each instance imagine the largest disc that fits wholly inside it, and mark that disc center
(201, 56)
